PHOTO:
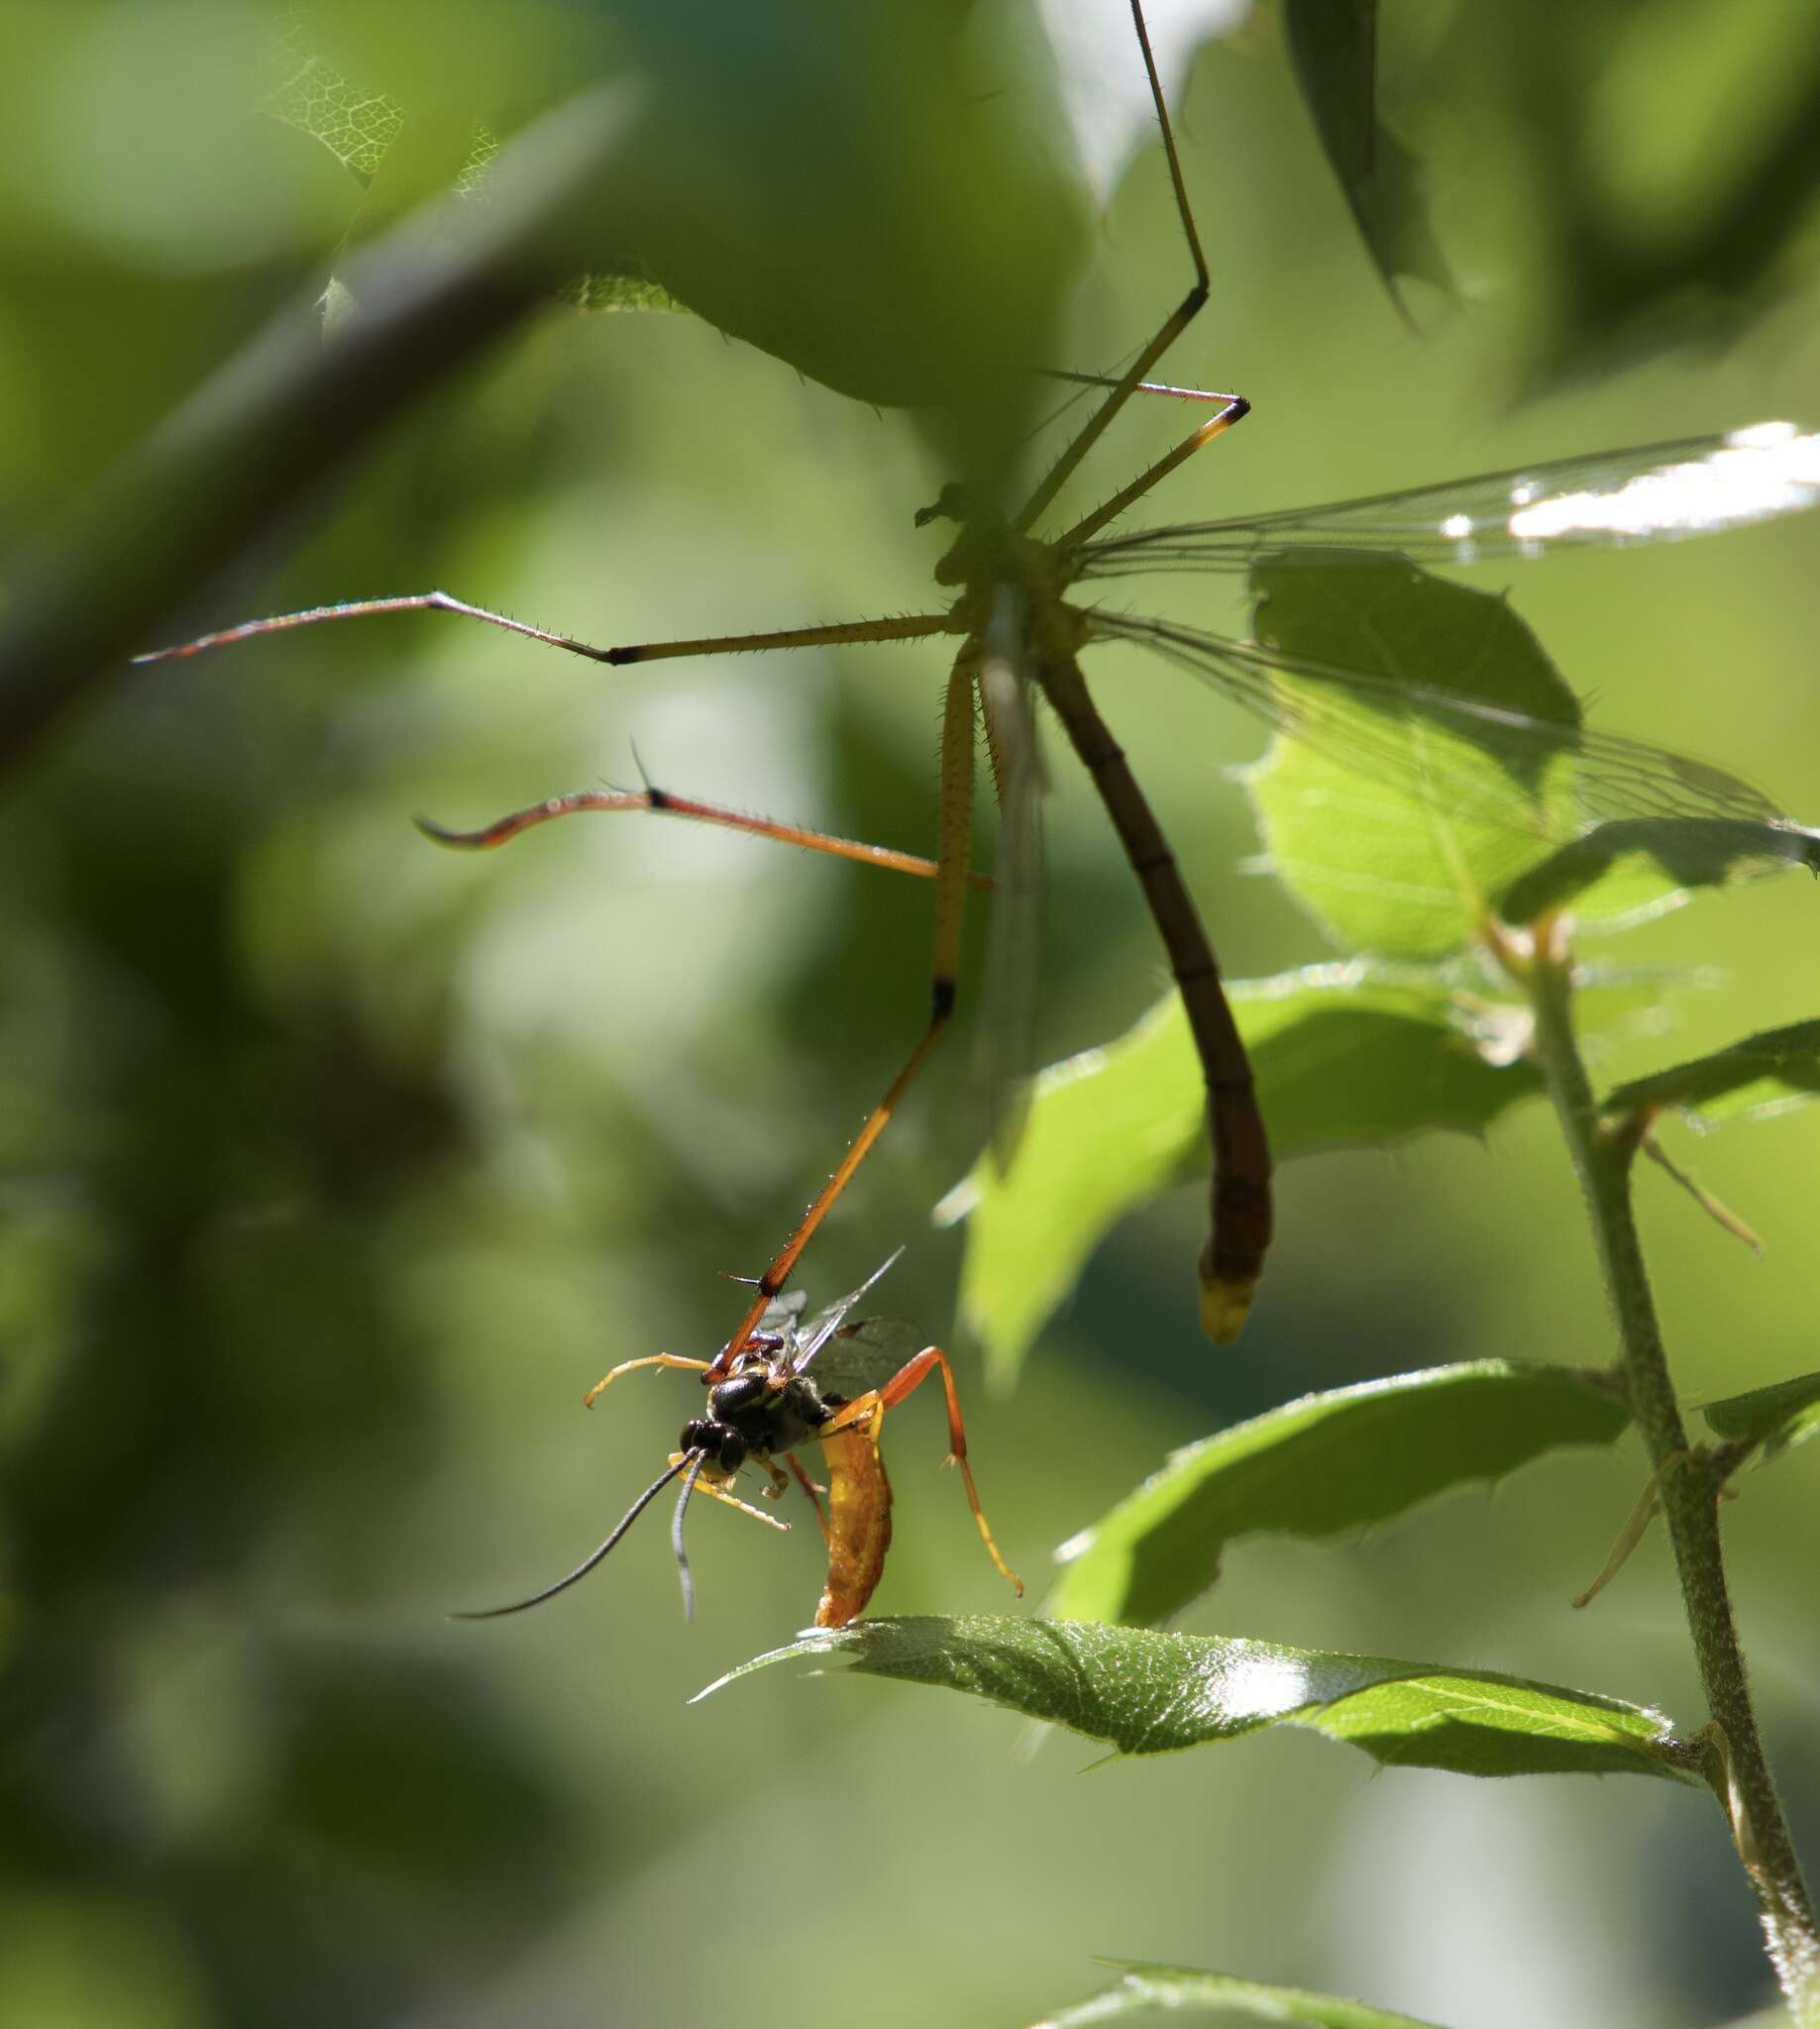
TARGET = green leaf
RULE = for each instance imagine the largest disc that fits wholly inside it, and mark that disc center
(598, 292)
(1764, 1074)
(1439, 771)
(1780, 1416)
(1147, 1692)
(356, 125)
(1691, 852)
(1344, 1057)
(885, 198)
(1319, 1467)
(1333, 47)
(1143, 1988)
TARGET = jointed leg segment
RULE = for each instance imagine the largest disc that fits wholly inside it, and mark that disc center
(626, 1366)
(869, 1410)
(954, 836)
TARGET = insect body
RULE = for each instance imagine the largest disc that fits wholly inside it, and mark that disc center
(1019, 636)
(768, 1404)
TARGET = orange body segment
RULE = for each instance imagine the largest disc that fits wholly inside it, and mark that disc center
(858, 1521)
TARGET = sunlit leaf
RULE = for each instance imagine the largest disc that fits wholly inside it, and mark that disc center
(885, 200)
(1147, 1692)
(1764, 1074)
(1438, 770)
(595, 292)
(1344, 1058)
(1690, 852)
(1144, 1988)
(355, 123)
(1319, 1467)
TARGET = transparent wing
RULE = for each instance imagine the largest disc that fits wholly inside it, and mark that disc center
(1657, 492)
(867, 1354)
(820, 1329)
(1005, 1035)
(780, 1315)
(1550, 779)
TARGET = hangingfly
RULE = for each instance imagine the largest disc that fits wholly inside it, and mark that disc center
(1019, 635)
(798, 1381)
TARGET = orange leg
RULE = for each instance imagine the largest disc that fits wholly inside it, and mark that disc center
(625, 1366)
(953, 831)
(871, 1409)
(722, 1490)
(814, 1492)
(502, 830)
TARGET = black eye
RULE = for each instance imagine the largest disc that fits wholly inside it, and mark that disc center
(698, 1436)
(732, 1452)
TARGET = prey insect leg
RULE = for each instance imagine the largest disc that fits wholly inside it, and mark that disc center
(626, 1366)
(868, 1411)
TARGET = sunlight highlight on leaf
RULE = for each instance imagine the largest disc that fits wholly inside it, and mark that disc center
(1152, 1693)
(1144, 1988)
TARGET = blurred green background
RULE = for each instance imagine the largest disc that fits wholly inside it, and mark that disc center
(336, 1167)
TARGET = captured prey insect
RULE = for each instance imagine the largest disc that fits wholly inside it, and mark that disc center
(769, 1403)
(1019, 635)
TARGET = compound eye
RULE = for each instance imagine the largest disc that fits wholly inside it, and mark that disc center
(732, 1454)
(699, 1436)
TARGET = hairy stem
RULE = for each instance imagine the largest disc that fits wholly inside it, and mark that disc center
(1737, 1767)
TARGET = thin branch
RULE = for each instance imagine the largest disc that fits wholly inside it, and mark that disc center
(274, 421)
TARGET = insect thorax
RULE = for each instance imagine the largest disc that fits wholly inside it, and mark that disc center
(761, 1410)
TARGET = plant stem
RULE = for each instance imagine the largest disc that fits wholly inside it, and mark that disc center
(1737, 1767)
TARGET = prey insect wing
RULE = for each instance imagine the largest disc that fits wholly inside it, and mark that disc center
(783, 1315)
(865, 1355)
(825, 1324)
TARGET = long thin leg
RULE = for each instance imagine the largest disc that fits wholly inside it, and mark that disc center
(1241, 1196)
(1172, 328)
(1235, 411)
(953, 838)
(911, 628)
(810, 1488)
(1166, 387)
(626, 1366)
(502, 830)
(722, 1491)
(872, 1407)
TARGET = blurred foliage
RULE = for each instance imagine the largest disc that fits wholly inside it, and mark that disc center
(336, 1168)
